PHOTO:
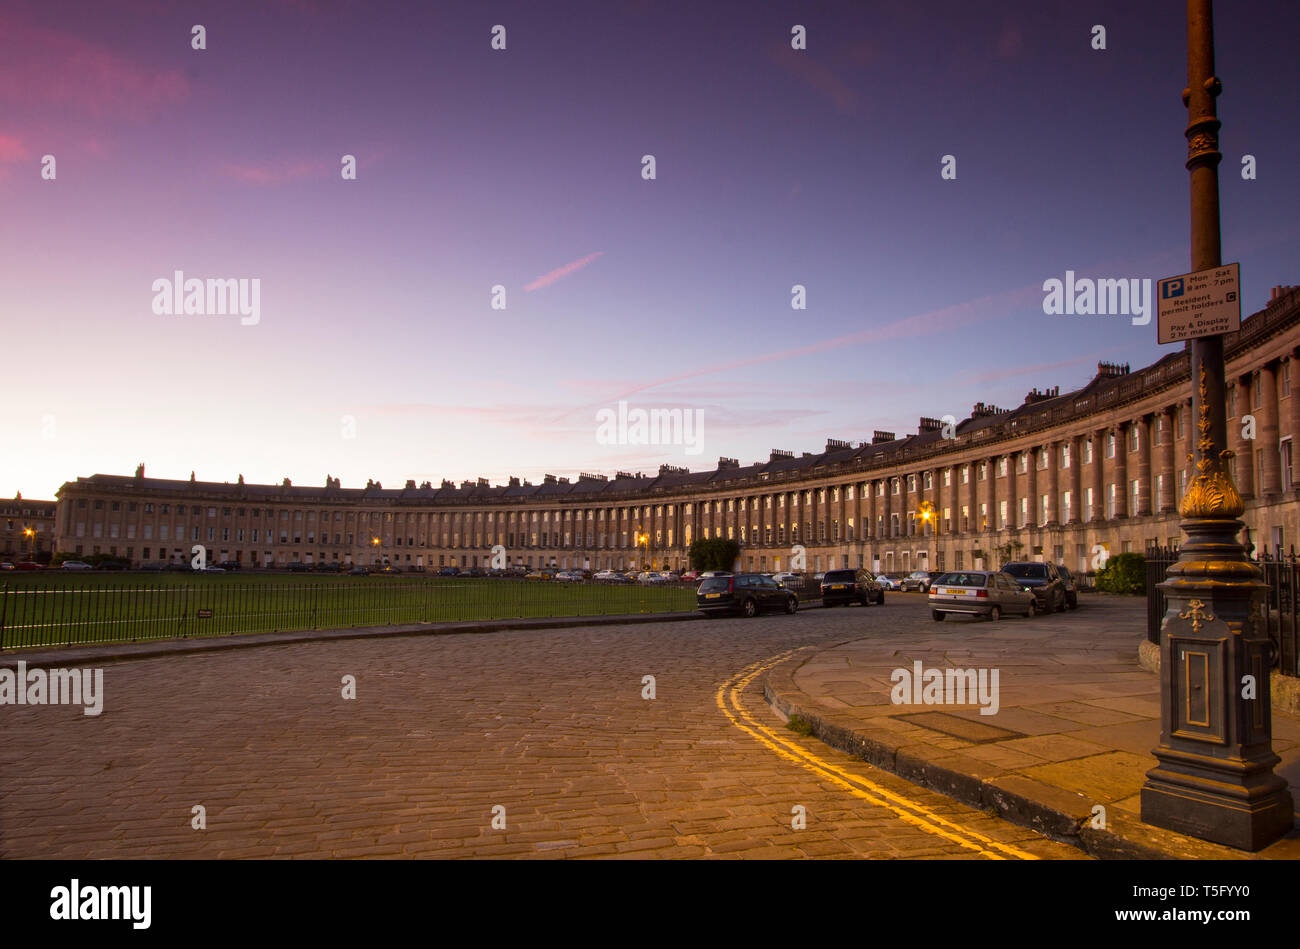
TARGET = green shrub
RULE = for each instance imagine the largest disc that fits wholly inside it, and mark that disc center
(1124, 573)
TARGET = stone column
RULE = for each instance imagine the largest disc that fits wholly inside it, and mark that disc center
(1121, 470)
(1054, 483)
(1076, 479)
(1144, 466)
(1266, 434)
(1099, 475)
(1031, 489)
(1244, 448)
(1012, 500)
(1168, 500)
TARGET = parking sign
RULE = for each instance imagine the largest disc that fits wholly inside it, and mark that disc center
(1204, 303)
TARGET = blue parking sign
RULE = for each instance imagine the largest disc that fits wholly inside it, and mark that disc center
(1171, 288)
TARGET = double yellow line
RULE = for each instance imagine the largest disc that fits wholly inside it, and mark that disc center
(916, 814)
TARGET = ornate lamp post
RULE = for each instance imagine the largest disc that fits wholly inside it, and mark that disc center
(1215, 779)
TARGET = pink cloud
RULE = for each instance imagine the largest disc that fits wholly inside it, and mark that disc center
(274, 172)
(11, 148)
(816, 75)
(545, 280)
(48, 68)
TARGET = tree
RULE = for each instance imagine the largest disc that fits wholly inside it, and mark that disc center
(714, 553)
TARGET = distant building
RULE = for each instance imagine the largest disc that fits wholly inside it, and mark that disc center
(1048, 480)
(26, 529)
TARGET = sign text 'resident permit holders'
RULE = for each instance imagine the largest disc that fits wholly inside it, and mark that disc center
(1204, 303)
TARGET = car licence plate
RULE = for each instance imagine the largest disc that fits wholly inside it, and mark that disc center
(712, 596)
(956, 591)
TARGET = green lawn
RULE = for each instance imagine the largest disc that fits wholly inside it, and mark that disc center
(37, 610)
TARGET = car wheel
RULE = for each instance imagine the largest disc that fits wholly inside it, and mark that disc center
(791, 605)
(880, 601)
(995, 614)
(936, 616)
(1033, 609)
(749, 609)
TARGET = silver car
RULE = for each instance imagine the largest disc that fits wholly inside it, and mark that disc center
(986, 593)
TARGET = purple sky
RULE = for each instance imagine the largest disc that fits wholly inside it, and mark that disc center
(480, 167)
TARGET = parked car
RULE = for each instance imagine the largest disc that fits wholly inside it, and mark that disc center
(987, 593)
(230, 564)
(690, 576)
(538, 575)
(1071, 592)
(297, 566)
(212, 569)
(112, 565)
(791, 581)
(747, 594)
(1044, 579)
(154, 566)
(449, 572)
(710, 574)
(76, 565)
(842, 587)
(566, 576)
(358, 571)
(7, 566)
(888, 581)
(919, 580)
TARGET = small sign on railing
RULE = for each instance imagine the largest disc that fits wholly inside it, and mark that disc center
(205, 614)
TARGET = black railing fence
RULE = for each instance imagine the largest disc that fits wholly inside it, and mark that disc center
(1281, 600)
(128, 609)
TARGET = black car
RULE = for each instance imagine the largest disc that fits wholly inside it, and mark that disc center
(358, 571)
(842, 587)
(747, 594)
(230, 564)
(297, 566)
(1043, 580)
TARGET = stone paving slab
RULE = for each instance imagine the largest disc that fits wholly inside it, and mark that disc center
(1076, 721)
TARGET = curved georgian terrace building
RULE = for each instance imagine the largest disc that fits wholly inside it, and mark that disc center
(1062, 472)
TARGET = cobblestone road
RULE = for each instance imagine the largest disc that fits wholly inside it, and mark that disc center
(551, 725)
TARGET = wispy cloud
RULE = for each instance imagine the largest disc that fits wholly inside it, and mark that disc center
(48, 68)
(11, 148)
(545, 280)
(274, 171)
(815, 74)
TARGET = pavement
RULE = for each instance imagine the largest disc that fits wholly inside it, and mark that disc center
(1076, 719)
(605, 739)
(549, 720)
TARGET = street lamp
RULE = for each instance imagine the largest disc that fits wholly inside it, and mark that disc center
(1215, 778)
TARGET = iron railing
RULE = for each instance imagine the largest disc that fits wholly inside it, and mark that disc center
(1281, 600)
(103, 609)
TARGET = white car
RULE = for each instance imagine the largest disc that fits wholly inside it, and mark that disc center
(886, 582)
(76, 565)
(788, 579)
(565, 576)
